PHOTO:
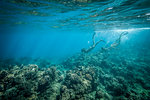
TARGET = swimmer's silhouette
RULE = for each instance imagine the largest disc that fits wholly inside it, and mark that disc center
(117, 42)
(93, 45)
(113, 45)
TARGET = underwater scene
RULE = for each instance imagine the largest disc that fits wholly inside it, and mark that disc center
(74, 49)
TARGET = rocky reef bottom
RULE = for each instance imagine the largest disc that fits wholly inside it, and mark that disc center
(94, 76)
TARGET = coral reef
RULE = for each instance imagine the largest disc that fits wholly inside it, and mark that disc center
(79, 83)
(100, 75)
(27, 82)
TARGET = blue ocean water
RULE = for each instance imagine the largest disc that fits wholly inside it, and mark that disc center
(33, 28)
(75, 49)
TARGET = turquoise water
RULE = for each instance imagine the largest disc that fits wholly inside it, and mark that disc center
(56, 30)
(75, 49)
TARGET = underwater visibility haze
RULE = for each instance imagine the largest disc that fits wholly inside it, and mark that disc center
(75, 50)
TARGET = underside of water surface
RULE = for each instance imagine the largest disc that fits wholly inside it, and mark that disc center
(74, 50)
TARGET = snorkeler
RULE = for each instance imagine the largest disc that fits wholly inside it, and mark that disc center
(113, 45)
(93, 45)
(117, 42)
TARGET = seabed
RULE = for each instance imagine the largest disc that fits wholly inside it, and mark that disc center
(93, 76)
